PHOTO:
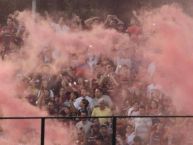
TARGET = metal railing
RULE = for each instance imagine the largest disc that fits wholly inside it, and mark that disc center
(114, 122)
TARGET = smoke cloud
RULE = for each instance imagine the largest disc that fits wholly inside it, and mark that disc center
(166, 41)
(169, 46)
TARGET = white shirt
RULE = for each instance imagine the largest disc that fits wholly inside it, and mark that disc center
(142, 127)
(131, 112)
(106, 98)
(85, 125)
(130, 137)
(79, 99)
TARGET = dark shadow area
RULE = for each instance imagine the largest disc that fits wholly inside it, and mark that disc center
(87, 8)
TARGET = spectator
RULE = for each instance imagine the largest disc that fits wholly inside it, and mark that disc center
(84, 95)
(84, 124)
(62, 97)
(102, 110)
(156, 136)
(84, 107)
(154, 108)
(142, 125)
(94, 134)
(99, 95)
(137, 141)
(130, 135)
(134, 110)
(105, 136)
(66, 111)
(42, 98)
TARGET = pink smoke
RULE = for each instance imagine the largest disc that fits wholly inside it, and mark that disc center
(23, 131)
(169, 44)
(40, 35)
(99, 41)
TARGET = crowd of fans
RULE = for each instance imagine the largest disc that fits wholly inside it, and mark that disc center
(113, 89)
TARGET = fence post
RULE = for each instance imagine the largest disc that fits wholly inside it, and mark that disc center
(42, 131)
(114, 123)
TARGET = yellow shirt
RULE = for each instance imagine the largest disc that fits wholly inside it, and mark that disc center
(98, 112)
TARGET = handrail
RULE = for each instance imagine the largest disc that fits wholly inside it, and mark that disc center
(74, 117)
(114, 121)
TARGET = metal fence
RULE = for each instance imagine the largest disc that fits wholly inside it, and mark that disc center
(113, 118)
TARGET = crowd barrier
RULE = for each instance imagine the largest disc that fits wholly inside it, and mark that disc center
(113, 118)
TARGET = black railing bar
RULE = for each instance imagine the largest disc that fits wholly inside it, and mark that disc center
(42, 137)
(114, 130)
(168, 116)
(94, 117)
